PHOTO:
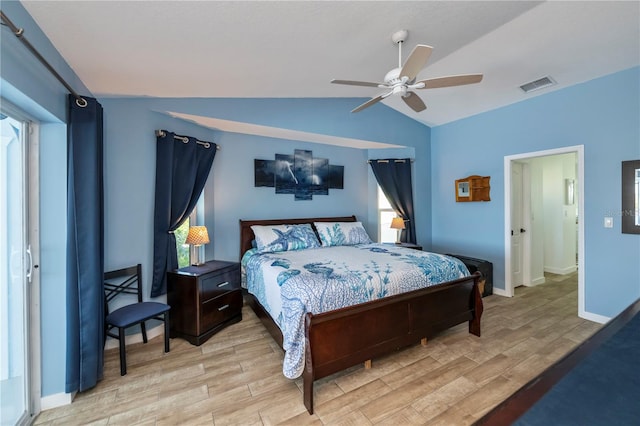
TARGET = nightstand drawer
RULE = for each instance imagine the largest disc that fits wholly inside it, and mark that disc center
(215, 285)
(220, 309)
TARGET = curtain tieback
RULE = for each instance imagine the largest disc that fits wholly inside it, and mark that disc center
(171, 232)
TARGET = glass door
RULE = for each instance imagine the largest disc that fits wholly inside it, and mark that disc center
(14, 263)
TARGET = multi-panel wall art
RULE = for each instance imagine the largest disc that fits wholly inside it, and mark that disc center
(299, 174)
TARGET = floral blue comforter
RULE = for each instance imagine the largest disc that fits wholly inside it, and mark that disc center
(291, 283)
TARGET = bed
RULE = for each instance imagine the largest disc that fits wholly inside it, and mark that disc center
(342, 337)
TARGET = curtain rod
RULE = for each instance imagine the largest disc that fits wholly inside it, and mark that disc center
(185, 139)
(18, 32)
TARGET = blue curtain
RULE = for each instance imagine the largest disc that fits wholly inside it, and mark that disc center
(182, 167)
(394, 177)
(85, 248)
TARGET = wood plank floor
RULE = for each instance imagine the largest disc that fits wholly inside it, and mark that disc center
(236, 377)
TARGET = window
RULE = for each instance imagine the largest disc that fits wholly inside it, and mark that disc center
(184, 258)
(385, 214)
(182, 248)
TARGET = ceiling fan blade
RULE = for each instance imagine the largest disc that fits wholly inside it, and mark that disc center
(416, 61)
(369, 103)
(414, 102)
(452, 80)
(356, 83)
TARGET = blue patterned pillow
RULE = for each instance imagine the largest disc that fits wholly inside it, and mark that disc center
(341, 233)
(284, 237)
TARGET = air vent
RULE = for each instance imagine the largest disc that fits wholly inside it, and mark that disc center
(538, 84)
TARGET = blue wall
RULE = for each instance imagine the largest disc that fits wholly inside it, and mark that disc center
(604, 116)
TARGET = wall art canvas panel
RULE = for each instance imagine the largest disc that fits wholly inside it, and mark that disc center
(336, 177)
(299, 174)
(320, 177)
(303, 172)
(286, 181)
(264, 171)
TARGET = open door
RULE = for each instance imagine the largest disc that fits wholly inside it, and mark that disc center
(517, 225)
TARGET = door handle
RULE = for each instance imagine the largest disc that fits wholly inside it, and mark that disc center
(30, 268)
(512, 232)
(522, 230)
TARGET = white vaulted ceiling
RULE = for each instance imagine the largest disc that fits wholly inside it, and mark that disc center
(264, 49)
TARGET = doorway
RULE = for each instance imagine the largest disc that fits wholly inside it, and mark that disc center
(19, 278)
(522, 224)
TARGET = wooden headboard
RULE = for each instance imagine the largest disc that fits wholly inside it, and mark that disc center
(246, 233)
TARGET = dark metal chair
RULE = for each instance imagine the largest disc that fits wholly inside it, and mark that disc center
(129, 281)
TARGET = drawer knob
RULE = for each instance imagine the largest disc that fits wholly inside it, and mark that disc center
(223, 284)
(222, 308)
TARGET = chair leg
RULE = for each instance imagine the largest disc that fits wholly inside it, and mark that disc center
(123, 355)
(166, 331)
(143, 326)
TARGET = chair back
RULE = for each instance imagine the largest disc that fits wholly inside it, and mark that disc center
(123, 281)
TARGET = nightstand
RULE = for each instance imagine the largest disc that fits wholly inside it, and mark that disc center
(410, 245)
(204, 299)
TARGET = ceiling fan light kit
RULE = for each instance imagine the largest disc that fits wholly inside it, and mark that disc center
(402, 80)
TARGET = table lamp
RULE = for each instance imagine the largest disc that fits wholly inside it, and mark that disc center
(196, 237)
(397, 223)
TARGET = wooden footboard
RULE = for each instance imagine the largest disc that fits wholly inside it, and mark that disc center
(345, 337)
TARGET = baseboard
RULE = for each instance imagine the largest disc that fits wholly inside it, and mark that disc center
(561, 271)
(500, 292)
(601, 319)
(537, 281)
(56, 400)
(135, 338)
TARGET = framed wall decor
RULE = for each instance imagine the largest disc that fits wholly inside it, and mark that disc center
(473, 188)
(630, 197)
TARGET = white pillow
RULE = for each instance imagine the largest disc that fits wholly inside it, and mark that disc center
(341, 233)
(271, 238)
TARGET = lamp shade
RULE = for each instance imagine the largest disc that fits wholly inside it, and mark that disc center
(197, 236)
(397, 223)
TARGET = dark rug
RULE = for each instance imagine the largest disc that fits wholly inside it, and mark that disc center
(604, 389)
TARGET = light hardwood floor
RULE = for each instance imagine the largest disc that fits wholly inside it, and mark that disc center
(236, 377)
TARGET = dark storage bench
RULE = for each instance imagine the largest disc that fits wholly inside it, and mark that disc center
(485, 267)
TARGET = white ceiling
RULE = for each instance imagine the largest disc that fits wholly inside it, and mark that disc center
(264, 49)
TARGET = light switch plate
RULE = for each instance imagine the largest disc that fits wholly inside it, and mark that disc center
(608, 222)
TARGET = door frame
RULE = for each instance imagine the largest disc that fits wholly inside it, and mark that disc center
(579, 151)
(33, 235)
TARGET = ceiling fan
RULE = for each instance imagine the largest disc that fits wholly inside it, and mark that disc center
(402, 80)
